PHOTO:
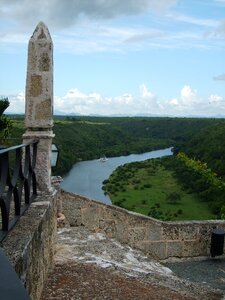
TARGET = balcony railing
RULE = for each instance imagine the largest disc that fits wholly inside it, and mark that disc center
(17, 183)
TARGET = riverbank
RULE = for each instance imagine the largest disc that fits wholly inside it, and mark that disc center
(86, 177)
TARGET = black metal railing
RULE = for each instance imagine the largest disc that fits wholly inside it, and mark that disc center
(17, 183)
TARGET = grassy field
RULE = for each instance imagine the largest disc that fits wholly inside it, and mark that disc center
(148, 188)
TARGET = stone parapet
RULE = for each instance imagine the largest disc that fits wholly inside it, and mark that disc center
(160, 240)
(30, 245)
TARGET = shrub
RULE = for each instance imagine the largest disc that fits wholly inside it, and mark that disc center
(147, 185)
(173, 198)
(155, 213)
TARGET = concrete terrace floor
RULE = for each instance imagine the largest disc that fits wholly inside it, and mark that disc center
(91, 266)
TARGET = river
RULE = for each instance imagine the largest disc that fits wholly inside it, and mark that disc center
(86, 177)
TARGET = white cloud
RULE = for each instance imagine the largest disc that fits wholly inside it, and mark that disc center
(215, 99)
(218, 32)
(221, 29)
(99, 38)
(145, 93)
(191, 103)
(189, 96)
(188, 103)
(17, 103)
(147, 103)
(220, 1)
(76, 102)
(93, 32)
(95, 37)
(145, 35)
(174, 102)
(192, 20)
(220, 77)
(185, 103)
(62, 14)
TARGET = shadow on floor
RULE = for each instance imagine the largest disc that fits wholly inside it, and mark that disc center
(209, 272)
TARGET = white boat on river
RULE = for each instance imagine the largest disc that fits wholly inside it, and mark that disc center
(103, 159)
(86, 177)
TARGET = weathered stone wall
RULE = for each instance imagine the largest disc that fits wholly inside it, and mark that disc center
(160, 240)
(30, 245)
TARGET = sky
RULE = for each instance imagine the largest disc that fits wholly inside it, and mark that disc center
(114, 57)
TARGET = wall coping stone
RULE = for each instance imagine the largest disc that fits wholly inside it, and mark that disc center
(140, 216)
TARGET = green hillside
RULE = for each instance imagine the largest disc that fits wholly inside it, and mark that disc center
(196, 176)
(150, 188)
(208, 145)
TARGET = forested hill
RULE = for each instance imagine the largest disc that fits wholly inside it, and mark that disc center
(208, 145)
(84, 138)
(91, 137)
(177, 129)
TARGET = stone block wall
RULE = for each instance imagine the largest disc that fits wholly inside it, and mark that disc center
(160, 240)
(30, 245)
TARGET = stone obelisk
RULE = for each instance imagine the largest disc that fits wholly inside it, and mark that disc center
(39, 102)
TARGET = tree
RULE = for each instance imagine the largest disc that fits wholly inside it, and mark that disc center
(5, 123)
(222, 212)
(173, 198)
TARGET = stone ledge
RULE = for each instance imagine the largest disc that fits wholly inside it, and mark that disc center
(30, 245)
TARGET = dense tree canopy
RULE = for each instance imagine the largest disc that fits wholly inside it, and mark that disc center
(5, 123)
(83, 138)
(208, 145)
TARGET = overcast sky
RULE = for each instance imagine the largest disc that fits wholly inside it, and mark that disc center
(132, 57)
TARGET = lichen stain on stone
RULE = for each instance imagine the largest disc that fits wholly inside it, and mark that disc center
(44, 62)
(42, 35)
(35, 85)
(30, 109)
(42, 44)
(43, 110)
(33, 57)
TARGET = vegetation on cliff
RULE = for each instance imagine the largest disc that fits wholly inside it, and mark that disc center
(208, 145)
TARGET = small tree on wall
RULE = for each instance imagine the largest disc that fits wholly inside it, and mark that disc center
(5, 123)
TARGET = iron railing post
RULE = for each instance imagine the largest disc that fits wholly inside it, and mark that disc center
(17, 183)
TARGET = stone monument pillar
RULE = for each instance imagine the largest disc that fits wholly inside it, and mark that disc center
(39, 102)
